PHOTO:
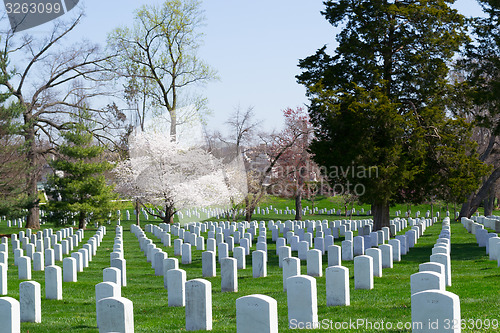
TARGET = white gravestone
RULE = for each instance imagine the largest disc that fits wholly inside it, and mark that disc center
(376, 255)
(159, 257)
(256, 313)
(422, 281)
(198, 305)
(334, 255)
(302, 300)
(229, 275)
(105, 290)
(283, 252)
(314, 263)
(79, 261)
(436, 310)
(358, 246)
(396, 249)
(168, 264)
(30, 302)
(445, 260)
(24, 268)
(10, 315)
(53, 282)
(176, 283)
(38, 262)
(347, 253)
(112, 274)
(259, 265)
(49, 255)
(186, 253)
(239, 253)
(291, 267)
(69, 270)
(386, 250)
(337, 286)
(115, 314)
(121, 264)
(223, 250)
(363, 272)
(3, 279)
(208, 267)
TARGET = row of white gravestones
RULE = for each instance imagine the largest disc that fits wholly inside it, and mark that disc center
(365, 269)
(489, 240)
(54, 275)
(80, 259)
(24, 263)
(382, 260)
(117, 259)
(229, 280)
(195, 295)
(365, 266)
(491, 222)
(431, 305)
(435, 274)
(382, 257)
(159, 259)
(254, 313)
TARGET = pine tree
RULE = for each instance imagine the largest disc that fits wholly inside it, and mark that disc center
(78, 189)
(379, 103)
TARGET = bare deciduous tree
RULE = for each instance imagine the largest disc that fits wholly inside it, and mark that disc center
(158, 58)
(51, 81)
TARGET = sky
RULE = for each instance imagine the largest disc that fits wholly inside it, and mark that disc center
(254, 46)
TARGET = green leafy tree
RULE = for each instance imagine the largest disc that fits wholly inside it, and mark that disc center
(479, 99)
(78, 188)
(379, 102)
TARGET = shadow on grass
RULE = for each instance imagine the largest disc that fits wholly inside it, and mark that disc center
(467, 251)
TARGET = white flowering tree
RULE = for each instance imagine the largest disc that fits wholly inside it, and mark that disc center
(163, 175)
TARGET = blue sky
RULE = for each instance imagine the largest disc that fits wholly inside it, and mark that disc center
(254, 45)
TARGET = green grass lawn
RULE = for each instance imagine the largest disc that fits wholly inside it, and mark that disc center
(475, 279)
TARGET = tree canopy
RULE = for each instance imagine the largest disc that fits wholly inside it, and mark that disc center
(158, 58)
(168, 177)
(78, 188)
(478, 99)
(379, 103)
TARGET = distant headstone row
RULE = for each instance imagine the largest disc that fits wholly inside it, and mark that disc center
(489, 240)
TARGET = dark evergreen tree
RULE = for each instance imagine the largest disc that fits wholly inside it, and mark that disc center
(480, 90)
(78, 190)
(379, 102)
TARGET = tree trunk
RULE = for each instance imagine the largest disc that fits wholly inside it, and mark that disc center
(173, 124)
(464, 210)
(298, 205)
(249, 212)
(81, 221)
(169, 215)
(380, 211)
(472, 204)
(33, 220)
(137, 219)
(489, 202)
